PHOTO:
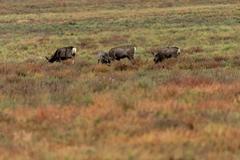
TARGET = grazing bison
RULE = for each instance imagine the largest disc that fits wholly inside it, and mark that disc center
(165, 53)
(121, 52)
(63, 54)
(103, 57)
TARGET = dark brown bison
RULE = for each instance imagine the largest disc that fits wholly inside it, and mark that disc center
(62, 54)
(121, 52)
(103, 57)
(165, 53)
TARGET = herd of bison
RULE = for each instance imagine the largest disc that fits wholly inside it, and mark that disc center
(116, 53)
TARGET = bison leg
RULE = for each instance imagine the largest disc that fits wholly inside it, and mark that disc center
(73, 61)
(131, 59)
(60, 59)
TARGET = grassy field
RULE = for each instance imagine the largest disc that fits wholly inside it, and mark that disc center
(182, 109)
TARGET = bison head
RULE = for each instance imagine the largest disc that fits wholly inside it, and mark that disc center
(103, 57)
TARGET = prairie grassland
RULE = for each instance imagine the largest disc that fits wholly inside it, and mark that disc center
(185, 108)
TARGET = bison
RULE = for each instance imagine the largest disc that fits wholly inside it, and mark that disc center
(103, 57)
(165, 53)
(61, 54)
(121, 52)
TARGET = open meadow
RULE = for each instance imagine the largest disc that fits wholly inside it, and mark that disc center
(181, 109)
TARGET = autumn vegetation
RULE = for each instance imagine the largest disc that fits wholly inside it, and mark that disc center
(181, 109)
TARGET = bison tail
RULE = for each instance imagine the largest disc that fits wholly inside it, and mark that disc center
(179, 51)
(74, 50)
